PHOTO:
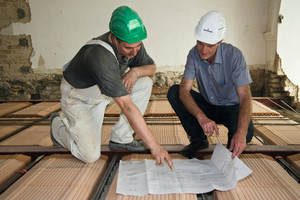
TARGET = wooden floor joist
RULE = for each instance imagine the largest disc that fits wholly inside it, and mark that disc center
(59, 177)
(162, 108)
(6, 130)
(112, 110)
(155, 108)
(38, 110)
(294, 161)
(269, 181)
(259, 109)
(288, 134)
(174, 135)
(34, 135)
(12, 164)
(266, 149)
(9, 107)
(159, 108)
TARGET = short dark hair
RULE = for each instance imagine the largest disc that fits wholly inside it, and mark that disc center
(118, 39)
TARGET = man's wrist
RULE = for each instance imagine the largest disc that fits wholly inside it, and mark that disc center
(137, 75)
(241, 132)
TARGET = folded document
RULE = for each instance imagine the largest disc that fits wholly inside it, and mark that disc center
(221, 172)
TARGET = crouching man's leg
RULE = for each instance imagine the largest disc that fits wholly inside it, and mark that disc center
(122, 133)
(229, 117)
(190, 123)
(79, 127)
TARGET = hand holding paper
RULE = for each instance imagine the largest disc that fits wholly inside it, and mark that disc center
(140, 178)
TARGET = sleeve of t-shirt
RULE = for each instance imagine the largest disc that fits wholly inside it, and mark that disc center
(141, 59)
(240, 75)
(104, 68)
(189, 70)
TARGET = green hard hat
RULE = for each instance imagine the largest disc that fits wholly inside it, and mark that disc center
(126, 24)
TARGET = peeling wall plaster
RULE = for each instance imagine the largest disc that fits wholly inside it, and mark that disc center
(59, 28)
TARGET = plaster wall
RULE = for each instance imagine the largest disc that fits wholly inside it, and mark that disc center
(288, 40)
(58, 28)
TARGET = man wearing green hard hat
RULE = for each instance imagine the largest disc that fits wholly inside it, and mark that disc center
(113, 67)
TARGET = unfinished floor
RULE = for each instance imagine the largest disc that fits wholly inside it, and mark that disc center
(34, 168)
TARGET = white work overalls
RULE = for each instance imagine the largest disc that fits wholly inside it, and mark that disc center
(79, 127)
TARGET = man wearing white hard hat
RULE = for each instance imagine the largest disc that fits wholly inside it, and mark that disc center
(223, 81)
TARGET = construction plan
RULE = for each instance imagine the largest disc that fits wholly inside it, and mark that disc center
(221, 172)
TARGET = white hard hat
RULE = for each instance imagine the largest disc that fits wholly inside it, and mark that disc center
(211, 28)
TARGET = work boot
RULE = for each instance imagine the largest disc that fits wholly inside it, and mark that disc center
(52, 116)
(190, 151)
(135, 145)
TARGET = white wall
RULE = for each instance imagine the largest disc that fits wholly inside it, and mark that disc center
(60, 27)
(288, 40)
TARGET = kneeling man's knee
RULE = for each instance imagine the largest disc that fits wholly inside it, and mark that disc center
(90, 157)
(147, 81)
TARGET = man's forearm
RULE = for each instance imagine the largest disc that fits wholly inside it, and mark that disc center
(244, 118)
(146, 70)
(136, 120)
(190, 104)
(208, 125)
(140, 127)
(138, 124)
(245, 112)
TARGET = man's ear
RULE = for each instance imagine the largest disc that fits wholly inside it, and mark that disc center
(219, 43)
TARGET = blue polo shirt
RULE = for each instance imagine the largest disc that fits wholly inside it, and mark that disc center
(217, 82)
